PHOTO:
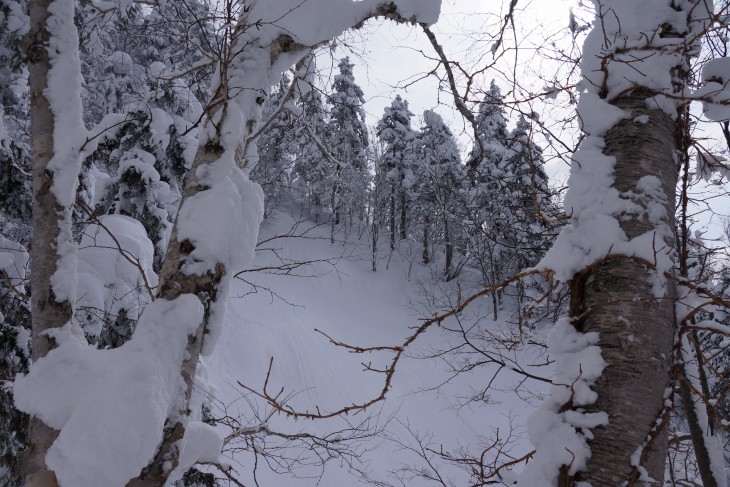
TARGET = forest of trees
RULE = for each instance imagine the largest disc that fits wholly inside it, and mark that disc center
(169, 131)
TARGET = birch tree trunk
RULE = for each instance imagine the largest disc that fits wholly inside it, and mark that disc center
(624, 176)
(51, 304)
(615, 298)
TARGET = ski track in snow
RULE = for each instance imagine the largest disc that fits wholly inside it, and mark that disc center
(359, 307)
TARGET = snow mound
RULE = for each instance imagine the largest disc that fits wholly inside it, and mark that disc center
(110, 406)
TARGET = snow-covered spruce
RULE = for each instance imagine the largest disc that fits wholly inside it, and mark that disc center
(311, 167)
(348, 138)
(398, 161)
(438, 175)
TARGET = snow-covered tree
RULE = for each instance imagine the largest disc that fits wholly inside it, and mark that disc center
(618, 250)
(484, 206)
(15, 209)
(347, 137)
(524, 206)
(145, 99)
(312, 168)
(440, 180)
(394, 128)
(213, 237)
(702, 403)
(15, 221)
(491, 132)
(15, 205)
(276, 148)
(142, 101)
(57, 132)
(14, 354)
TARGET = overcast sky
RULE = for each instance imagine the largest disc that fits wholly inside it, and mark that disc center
(392, 59)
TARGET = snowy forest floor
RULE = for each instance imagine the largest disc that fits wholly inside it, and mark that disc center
(433, 416)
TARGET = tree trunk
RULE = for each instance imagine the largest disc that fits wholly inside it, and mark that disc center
(48, 214)
(449, 249)
(392, 217)
(403, 211)
(375, 245)
(615, 299)
(699, 431)
(174, 282)
(425, 256)
(51, 231)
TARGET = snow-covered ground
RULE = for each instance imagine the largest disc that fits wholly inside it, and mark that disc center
(346, 300)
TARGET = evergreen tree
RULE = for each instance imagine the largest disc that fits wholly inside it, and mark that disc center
(312, 169)
(14, 353)
(439, 176)
(348, 139)
(15, 210)
(524, 200)
(276, 149)
(15, 204)
(13, 69)
(140, 93)
(151, 112)
(491, 134)
(509, 203)
(15, 186)
(395, 130)
(377, 196)
(482, 205)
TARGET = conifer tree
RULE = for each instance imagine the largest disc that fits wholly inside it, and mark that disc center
(14, 354)
(524, 200)
(140, 94)
(311, 168)
(14, 306)
(485, 179)
(348, 138)
(276, 149)
(15, 215)
(439, 176)
(492, 134)
(151, 110)
(397, 161)
(15, 205)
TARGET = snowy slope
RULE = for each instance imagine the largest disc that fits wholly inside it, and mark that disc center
(352, 304)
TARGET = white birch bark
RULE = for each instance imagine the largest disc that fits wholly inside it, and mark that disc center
(621, 239)
(57, 133)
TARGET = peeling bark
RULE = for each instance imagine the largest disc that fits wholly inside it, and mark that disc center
(48, 219)
(615, 299)
(174, 282)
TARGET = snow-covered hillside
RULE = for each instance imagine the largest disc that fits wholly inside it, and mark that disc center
(425, 418)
